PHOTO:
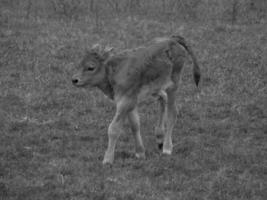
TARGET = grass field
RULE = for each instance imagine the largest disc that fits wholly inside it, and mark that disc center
(53, 136)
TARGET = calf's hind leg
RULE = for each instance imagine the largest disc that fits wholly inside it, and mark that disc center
(161, 125)
(170, 121)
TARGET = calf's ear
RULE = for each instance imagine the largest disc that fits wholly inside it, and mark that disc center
(97, 48)
(107, 52)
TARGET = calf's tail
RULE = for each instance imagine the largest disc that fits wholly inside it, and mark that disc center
(196, 69)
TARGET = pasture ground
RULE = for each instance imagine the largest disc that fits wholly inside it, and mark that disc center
(53, 136)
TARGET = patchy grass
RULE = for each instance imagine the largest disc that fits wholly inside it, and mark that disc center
(53, 136)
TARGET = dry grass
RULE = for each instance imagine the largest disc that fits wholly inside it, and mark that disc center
(53, 136)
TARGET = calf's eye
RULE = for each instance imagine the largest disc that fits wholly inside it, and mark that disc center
(90, 68)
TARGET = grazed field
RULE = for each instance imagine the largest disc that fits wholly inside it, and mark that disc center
(53, 136)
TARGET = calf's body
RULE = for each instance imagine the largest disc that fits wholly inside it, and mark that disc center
(129, 77)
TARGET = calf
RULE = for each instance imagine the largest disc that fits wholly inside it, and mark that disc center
(130, 76)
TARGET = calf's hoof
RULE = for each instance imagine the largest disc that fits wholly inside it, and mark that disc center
(108, 159)
(167, 151)
(140, 155)
(160, 146)
(167, 148)
(107, 162)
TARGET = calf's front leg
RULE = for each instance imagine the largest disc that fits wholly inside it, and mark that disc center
(134, 121)
(123, 107)
(114, 131)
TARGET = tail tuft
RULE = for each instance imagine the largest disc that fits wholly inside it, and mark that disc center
(196, 78)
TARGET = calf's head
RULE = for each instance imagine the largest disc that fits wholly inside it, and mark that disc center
(91, 70)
